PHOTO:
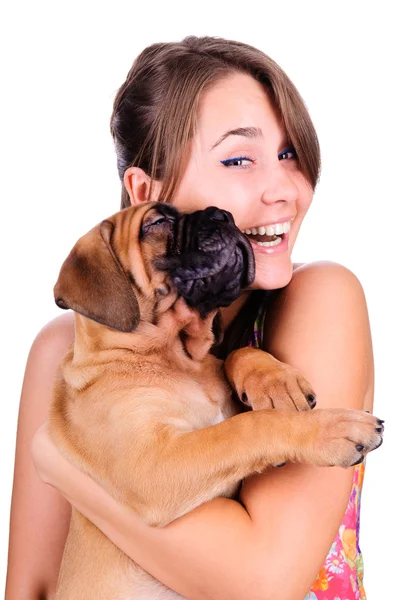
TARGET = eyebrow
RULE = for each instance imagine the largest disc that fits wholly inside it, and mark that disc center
(249, 132)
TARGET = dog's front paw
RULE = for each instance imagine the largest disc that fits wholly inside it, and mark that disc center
(263, 382)
(339, 437)
(282, 388)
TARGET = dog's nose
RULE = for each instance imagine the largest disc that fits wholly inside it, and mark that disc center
(216, 214)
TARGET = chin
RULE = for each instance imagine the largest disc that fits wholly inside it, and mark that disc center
(272, 278)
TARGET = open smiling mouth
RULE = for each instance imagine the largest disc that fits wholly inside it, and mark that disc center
(268, 235)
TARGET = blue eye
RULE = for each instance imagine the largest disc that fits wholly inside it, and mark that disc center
(288, 153)
(237, 161)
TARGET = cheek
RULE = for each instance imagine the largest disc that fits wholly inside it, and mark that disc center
(304, 204)
(304, 197)
(187, 202)
(197, 192)
(304, 200)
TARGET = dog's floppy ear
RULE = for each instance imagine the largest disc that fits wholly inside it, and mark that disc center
(93, 283)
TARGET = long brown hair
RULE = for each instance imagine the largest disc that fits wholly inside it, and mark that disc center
(155, 110)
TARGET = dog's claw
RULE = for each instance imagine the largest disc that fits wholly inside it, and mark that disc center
(311, 399)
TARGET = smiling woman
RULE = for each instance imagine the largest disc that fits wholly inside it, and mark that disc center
(250, 171)
(210, 122)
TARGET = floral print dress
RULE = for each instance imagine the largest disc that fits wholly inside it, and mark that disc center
(341, 576)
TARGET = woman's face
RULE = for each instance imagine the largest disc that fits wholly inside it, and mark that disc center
(240, 161)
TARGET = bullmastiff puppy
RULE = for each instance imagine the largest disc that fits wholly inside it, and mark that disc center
(145, 409)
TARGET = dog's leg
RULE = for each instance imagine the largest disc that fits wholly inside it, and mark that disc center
(190, 468)
(261, 381)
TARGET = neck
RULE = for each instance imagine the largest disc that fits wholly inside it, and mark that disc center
(181, 331)
(229, 313)
(91, 336)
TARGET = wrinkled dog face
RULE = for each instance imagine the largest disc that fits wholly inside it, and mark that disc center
(210, 261)
(132, 266)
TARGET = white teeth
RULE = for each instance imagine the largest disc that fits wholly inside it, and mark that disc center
(276, 229)
(268, 244)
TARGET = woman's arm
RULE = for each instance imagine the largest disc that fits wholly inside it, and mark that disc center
(39, 514)
(276, 546)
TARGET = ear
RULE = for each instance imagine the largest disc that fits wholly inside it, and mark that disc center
(93, 283)
(140, 187)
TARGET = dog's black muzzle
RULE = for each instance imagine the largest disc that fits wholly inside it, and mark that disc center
(209, 259)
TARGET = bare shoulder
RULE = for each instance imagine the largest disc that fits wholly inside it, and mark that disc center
(319, 323)
(57, 334)
(322, 291)
(47, 351)
(323, 272)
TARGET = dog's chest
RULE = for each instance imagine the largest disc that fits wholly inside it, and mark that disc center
(208, 397)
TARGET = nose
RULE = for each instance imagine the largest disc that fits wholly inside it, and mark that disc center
(217, 214)
(278, 186)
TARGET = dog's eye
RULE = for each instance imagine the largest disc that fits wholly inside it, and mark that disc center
(158, 220)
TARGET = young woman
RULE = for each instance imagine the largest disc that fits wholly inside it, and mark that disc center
(198, 123)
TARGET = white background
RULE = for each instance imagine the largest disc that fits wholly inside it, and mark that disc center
(61, 66)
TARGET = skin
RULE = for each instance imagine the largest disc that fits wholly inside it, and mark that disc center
(288, 517)
(265, 189)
